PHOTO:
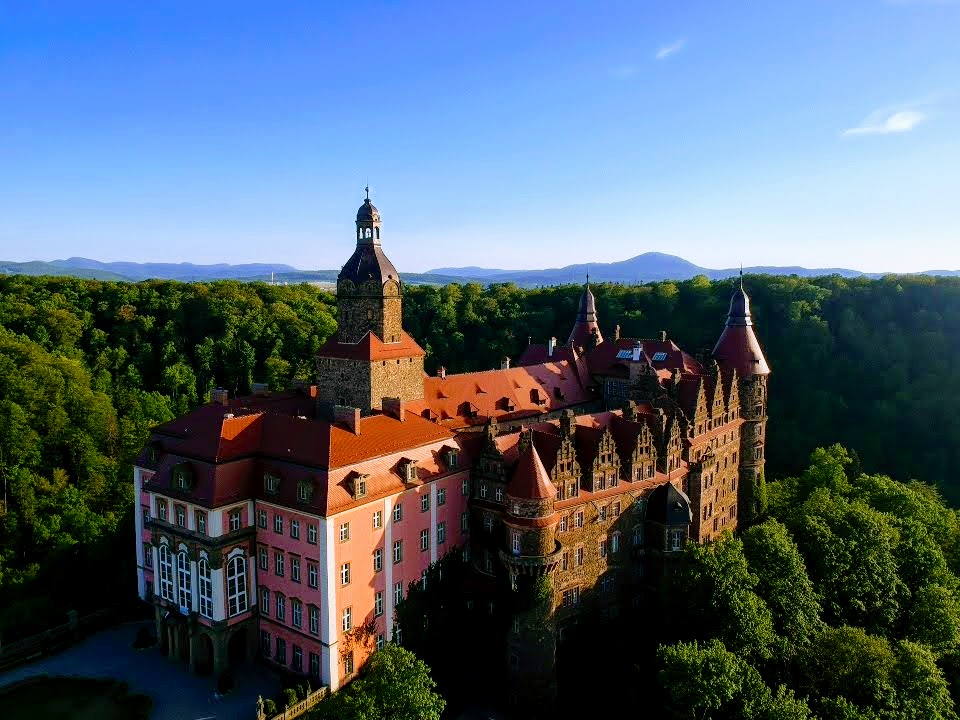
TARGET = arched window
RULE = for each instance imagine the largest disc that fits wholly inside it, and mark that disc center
(237, 585)
(378, 233)
(205, 589)
(166, 574)
(183, 579)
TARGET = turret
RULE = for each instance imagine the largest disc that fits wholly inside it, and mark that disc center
(586, 330)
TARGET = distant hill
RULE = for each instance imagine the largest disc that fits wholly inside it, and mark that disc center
(647, 267)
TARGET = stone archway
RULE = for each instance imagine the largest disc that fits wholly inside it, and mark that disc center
(237, 648)
(203, 654)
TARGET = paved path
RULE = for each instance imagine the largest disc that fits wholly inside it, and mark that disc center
(177, 694)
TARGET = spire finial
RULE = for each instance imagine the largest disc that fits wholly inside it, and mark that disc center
(741, 276)
(368, 192)
(588, 278)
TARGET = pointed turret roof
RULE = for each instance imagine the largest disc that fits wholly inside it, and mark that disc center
(530, 478)
(586, 324)
(738, 346)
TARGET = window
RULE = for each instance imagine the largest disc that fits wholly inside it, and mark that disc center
(182, 476)
(295, 529)
(262, 519)
(265, 601)
(162, 509)
(615, 509)
(348, 664)
(397, 551)
(181, 513)
(572, 490)
(166, 574)
(498, 493)
(378, 604)
(205, 588)
(578, 519)
(237, 585)
(265, 642)
(344, 531)
(313, 613)
(345, 574)
(377, 519)
(607, 584)
(236, 520)
(579, 556)
(297, 658)
(281, 607)
(464, 522)
(397, 512)
(346, 620)
(602, 547)
(278, 563)
(296, 607)
(483, 489)
(271, 483)
(312, 534)
(638, 535)
(602, 513)
(424, 502)
(380, 641)
(565, 558)
(397, 594)
(183, 580)
(424, 539)
(147, 555)
(278, 524)
(378, 560)
(563, 523)
(571, 597)
(303, 491)
(442, 533)
(676, 539)
(312, 574)
(314, 665)
(515, 539)
(264, 559)
(200, 520)
(465, 486)
(281, 656)
(441, 496)
(488, 522)
(295, 568)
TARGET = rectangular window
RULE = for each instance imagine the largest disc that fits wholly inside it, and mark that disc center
(498, 493)
(572, 490)
(578, 519)
(397, 594)
(312, 574)
(571, 597)
(281, 607)
(162, 509)
(397, 551)
(563, 523)
(380, 641)
(615, 509)
(166, 574)
(483, 489)
(397, 512)
(264, 558)
(424, 539)
(281, 651)
(344, 531)
(314, 614)
(602, 547)
(441, 533)
(278, 524)
(346, 621)
(424, 502)
(181, 515)
(515, 538)
(378, 560)
(602, 513)
(278, 563)
(488, 522)
(295, 568)
(297, 658)
(271, 483)
(147, 556)
(262, 519)
(236, 520)
(312, 534)
(348, 664)
(378, 604)
(345, 574)
(676, 539)
(638, 536)
(441, 496)
(615, 543)
(464, 522)
(579, 556)
(465, 487)
(200, 520)
(296, 607)
(295, 529)
(265, 601)
(377, 519)
(314, 665)
(303, 492)
(565, 561)
(265, 642)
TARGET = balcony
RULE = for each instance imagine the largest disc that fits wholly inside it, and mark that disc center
(534, 565)
(226, 538)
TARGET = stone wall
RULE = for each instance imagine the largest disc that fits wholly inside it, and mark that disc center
(342, 381)
(402, 378)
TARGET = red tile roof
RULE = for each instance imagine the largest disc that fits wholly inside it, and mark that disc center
(371, 348)
(530, 480)
(603, 360)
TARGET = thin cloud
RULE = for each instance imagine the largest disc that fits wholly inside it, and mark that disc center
(624, 71)
(887, 122)
(672, 49)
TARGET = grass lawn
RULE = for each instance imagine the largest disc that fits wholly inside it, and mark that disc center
(67, 698)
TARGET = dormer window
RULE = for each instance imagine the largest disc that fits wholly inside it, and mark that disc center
(153, 452)
(453, 458)
(304, 491)
(408, 470)
(182, 477)
(271, 483)
(358, 485)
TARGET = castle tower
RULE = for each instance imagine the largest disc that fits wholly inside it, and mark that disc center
(739, 350)
(370, 357)
(586, 330)
(531, 556)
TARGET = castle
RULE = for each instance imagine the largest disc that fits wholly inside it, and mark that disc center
(289, 524)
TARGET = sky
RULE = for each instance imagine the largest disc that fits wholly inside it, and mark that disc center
(500, 134)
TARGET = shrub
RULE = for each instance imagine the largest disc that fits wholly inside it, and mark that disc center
(291, 696)
(300, 692)
(269, 707)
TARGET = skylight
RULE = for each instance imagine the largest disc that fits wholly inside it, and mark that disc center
(659, 356)
(624, 355)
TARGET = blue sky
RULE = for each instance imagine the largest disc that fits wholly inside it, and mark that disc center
(499, 134)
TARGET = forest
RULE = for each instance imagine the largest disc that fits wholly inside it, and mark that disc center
(87, 367)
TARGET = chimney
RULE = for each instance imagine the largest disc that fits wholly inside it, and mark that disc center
(505, 363)
(349, 416)
(663, 336)
(568, 426)
(442, 372)
(630, 411)
(394, 407)
(551, 344)
(637, 350)
(525, 440)
(616, 332)
(219, 396)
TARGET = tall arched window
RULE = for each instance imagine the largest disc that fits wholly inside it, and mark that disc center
(237, 585)
(166, 574)
(205, 589)
(183, 580)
